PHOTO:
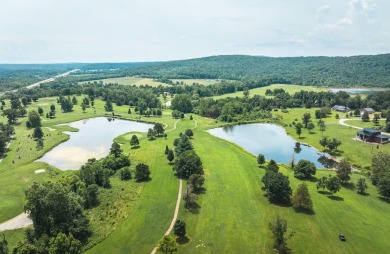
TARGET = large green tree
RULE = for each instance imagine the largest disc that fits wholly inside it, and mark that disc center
(158, 129)
(183, 144)
(304, 169)
(65, 244)
(142, 172)
(301, 198)
(277, 187)
(278, 227)
(167, 245)
(182, 103)
(34, 119)
(188, 163)
(179, 229)
(134, 141)
(344, 170)
(306, 119)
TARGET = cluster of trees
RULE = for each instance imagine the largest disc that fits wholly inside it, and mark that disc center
(380, 176)
(331, 144)
(6, 132)
(57, 212)
(356, 70)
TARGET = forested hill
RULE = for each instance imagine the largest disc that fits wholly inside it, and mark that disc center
(330, 71)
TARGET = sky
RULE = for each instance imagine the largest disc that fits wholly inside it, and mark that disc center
(58, 31)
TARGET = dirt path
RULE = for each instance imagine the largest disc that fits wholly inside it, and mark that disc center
(196, 125)
(174, 126)
(20, 221)
(175, 213)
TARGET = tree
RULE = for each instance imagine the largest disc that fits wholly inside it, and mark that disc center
(150, 134)
(361, 185)
(334, 144)
(376, 118)
(142, 172)
(179, 229)
(83, 106)
(278, 226)
(129, 111)
(66, 105)
(298, 129)
(183, 144)
(324, 142)
(125, 173)
(116, 149)
(344, 171)
(260, 159)
(387, 128)
(38, 133)
(304, 169)
(74, 100)
(108, 105)
(333, 184)
(272, 166)
(134, 141)
(365, 117)
(52, 108)
(3, 244)
(40, 110)
(167, 245)
(189, 133)
(196, 181)
(34, 119)
(189, 196)
(170, 155)
(306, 119)
(321, 184)
(63, 244)
(191, 118)
(310, 126)
(158, 129)
(301, 198)
(182, 103)
(322, 126)
(91, 196)
(188, 163)
(277, 187)
(54, 208)
(11, 115)
(246, 92)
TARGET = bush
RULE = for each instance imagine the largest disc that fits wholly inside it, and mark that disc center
(142, 172)
(125, 173)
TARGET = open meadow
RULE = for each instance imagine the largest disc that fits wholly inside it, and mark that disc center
(130, 81)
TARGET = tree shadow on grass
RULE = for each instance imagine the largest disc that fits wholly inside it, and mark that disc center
(135, 147)
(364, 194)
(302, 138)
(349, 186)
(194, 208)
(386, 200)
(325, 192)
(311, 179)
(336, 198)
(305, 211)
(182, 240)
(278, 203)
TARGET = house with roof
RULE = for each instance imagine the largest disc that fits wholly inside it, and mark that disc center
(371, 135)
(340, 108)
(368, 110)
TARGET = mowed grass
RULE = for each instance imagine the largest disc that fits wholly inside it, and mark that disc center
(205, 82)
(291, 89)
(129, 81)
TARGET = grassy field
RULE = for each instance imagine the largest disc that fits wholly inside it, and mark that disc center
(359, 123)
(129, 81)
(291, 89)
(234, 214)
(205, 82)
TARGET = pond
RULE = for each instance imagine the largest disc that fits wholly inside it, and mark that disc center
(268, 139)
(93, 140)
(357, 90)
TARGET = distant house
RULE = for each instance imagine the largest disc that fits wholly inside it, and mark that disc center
(368, 110)
(340, 108)
(371, 135)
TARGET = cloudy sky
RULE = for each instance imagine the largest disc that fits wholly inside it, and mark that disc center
(52, 31)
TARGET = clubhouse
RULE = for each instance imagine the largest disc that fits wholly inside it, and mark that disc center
(371, 135)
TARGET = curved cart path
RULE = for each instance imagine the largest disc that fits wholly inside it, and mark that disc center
(20, 221)
(175, 213)
(343, 120)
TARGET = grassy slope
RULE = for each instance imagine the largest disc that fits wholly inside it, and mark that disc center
(131, 81)
(261, 90)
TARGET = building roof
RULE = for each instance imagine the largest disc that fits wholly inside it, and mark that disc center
(370, 130)
(382, 136)
(369, 109)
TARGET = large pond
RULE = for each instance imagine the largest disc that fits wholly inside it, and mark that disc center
(268, 139)
(93, 140)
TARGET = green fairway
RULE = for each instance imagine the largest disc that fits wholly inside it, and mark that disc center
(291, 89)
(129, 81)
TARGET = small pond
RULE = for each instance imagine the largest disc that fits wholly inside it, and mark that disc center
(357, 90)
(268, 139)
(93, 140)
